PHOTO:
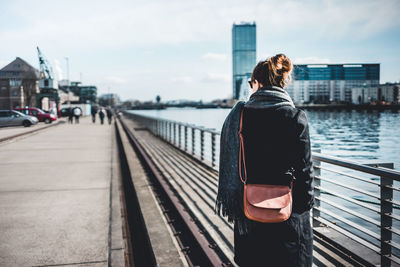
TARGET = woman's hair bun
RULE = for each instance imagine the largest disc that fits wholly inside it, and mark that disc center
(279, 69)
(274, 71)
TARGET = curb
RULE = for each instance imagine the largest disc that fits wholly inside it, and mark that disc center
(9, 138)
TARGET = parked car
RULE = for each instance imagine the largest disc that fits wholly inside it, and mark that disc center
(38, 113)
(15, 118)
(65, 111)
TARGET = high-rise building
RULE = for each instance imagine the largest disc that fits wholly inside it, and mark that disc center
(317, 83)
(243, 57)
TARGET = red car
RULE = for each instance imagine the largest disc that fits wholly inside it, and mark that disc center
(38, 113)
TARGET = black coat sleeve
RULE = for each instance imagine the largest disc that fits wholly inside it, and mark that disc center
(303, 190)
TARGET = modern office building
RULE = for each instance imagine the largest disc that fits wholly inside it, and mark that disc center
(317, 83)
(243, 57)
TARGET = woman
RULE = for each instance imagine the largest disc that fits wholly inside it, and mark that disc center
(276, 139)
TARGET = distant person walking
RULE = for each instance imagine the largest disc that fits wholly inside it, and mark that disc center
(77, 114)
(93, 111)
(70, 115)
(109, 114)
(270, 152)
(102, 115)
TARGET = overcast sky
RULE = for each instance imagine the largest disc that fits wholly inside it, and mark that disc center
(181, 49)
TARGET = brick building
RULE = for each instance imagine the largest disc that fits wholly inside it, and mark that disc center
(19, 84)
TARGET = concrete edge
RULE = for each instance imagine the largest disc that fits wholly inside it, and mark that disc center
(28, 133)
(116, 244)
(153, 216)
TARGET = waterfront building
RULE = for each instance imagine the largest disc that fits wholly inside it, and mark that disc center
(19, 84)
(388, 93)
(86, 93)
(243, 57)
(331, 83)
(109, 100)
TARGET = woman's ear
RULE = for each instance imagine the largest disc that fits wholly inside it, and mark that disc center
(256, 86)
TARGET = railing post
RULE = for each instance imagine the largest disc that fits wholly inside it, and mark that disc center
(174, 126)
(213, 164)
(185, 130)
(201, 144)
(317, 193)
(386, 220)
(179, 136)
(193, 140)
(163, 129)
(169, 132)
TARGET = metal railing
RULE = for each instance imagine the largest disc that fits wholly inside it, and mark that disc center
(357, 200)
(201, 143)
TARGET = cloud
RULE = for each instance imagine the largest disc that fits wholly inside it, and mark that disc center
(216, 77)
(115, 79)
(182, 79)
(57, 70)
(215, 56)
(122, 23)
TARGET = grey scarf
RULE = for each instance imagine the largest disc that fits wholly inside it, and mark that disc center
(229, 200)
(270, 97)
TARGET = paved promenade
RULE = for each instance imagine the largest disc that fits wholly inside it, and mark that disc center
(55, 196)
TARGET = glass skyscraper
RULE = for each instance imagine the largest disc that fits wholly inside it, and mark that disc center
(243, 57)
(317, 83)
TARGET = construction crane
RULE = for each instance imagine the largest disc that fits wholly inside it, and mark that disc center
(46, 72)
(48, 86)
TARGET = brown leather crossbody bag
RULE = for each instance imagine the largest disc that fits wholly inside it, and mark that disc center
(263, 203)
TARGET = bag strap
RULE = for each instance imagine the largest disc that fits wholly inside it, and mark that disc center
(241, 151)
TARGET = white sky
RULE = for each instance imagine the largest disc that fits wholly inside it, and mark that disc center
(181, 49)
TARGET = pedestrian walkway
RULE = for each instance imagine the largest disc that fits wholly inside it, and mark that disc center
(55, 197)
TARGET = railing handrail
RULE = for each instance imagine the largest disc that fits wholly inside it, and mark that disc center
(379, 171)
(202, 128)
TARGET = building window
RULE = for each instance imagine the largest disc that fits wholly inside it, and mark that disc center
(15, 82)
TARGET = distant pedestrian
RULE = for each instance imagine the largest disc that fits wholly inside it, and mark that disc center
(109, 114)
(102, 115)
(70, 115)
(93, 111)
(77, 113)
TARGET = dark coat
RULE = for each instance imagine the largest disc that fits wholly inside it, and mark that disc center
(276, 138)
